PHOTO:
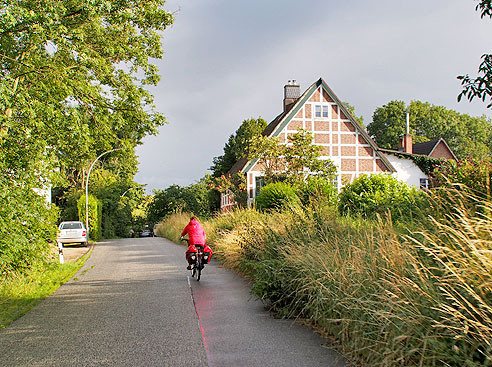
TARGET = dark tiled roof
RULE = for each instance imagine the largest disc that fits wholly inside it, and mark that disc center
(272, 125)
(426, 147)
(238, 166)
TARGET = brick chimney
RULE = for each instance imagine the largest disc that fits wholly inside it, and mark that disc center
(292, 92)
(406, 143)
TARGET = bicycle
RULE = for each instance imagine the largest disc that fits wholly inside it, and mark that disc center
(198, 261)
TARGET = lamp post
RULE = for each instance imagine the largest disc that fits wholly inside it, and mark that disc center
(87, 189)
(131, 188)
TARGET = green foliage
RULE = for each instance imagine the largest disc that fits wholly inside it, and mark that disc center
(73, 84)
(95, 215)
(372, 195)
(276, 196)
(195, 198)
(237, 145)
(464, 134)
(118, 198)
(317, 190)
(472, 174)
(294, 161)
(26, 229)
(236, 184)
(481, 86)
(25, 290)
(388, 297)
(351, 109)
(73, 78)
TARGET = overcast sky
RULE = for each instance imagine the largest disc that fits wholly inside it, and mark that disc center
(227, 60)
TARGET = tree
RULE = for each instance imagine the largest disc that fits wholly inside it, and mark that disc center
(237, 145)
(194, 198)
(73, 78)
(351, 109)
(481, 86)
(293, 161)
(465, 135)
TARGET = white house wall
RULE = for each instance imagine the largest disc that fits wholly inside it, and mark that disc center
(406, 170)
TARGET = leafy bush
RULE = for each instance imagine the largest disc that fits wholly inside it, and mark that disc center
(276, 196)
(474, 174)
(95, 215)
(370, 195)
(317, 190)
(27, 226)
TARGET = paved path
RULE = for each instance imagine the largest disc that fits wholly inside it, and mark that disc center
(133, 304)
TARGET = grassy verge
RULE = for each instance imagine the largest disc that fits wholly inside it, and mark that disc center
(21, 293)
(389, 296)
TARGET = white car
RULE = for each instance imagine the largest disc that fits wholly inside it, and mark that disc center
(72, 232)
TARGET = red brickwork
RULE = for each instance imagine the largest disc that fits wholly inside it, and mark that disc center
(348, 164)
(334, 112)
(347, 138)
(307, 109)
(441, 151)
(322, 138)
(315, 97)
(366, 165)
(294, 125)
(322, 125)
(365, 152)
(348, 152)
(326, 97)
(346, 126)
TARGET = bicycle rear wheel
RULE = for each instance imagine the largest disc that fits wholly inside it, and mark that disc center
(198, 269)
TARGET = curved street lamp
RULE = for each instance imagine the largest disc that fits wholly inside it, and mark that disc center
(131, 188)
(87, 189)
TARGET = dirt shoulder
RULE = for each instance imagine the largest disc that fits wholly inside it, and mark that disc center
(72, 253)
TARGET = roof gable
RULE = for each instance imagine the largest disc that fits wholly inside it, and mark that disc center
(431, 147)
(281, 121)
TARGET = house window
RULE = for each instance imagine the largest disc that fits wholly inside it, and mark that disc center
(260, 182)
(320, 111)
(424, 183)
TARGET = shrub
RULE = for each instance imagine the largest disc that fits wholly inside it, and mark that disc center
(27, 226)
(370, 195)
(276, 196)
(473, 174)
(317, 190)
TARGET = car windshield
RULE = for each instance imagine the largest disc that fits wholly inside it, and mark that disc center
(75, 225)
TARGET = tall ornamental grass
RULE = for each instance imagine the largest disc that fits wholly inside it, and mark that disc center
(388, 297)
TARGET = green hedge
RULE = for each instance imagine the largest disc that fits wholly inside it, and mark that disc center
(27, 227)
(276, 196)
(95, 215)
(372, 195)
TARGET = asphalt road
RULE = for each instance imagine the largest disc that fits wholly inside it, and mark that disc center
(134, 304)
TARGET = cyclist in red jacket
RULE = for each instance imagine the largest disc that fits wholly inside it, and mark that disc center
(196, 237)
